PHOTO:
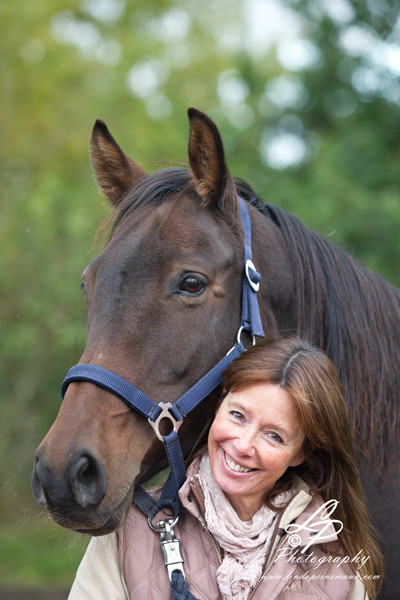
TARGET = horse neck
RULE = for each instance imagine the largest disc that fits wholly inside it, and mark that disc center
(318, 291)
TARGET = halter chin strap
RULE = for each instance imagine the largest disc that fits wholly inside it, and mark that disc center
(138, 401)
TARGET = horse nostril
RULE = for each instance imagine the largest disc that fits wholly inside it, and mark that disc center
(36, 485)
(88, 479)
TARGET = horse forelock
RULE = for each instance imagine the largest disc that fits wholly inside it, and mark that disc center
(155, 189)
(151, 190)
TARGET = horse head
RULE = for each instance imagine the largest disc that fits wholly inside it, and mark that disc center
(164, 300)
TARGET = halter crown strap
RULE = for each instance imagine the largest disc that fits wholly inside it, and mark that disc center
(145, 406)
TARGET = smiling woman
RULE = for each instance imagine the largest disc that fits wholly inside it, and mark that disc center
(258, 502)
(255, 437)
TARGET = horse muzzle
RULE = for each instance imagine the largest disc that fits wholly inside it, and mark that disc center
(73, 496)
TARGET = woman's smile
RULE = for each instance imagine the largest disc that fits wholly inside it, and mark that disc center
(235, 467)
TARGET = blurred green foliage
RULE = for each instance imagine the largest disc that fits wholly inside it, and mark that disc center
(33, 555)
(276, 77)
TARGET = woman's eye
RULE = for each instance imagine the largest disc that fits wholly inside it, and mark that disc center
(275, 437)
(237, 415)
(192, 285)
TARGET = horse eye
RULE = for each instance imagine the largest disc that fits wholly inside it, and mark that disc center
(192, 285)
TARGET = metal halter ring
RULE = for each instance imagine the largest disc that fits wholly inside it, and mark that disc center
(164, 414)
(239, 335)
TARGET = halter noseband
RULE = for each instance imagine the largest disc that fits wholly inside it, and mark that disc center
(136, 400)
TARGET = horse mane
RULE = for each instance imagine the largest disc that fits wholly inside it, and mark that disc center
(339, 305)
(354, 315)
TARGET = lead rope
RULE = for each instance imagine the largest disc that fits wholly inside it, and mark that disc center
(179, 587)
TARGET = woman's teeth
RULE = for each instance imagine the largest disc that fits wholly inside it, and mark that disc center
(235, 467)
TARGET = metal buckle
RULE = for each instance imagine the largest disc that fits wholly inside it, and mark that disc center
(170, 545)
(250, 265)
(164, 414)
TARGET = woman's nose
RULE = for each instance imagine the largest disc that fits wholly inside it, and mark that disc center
(245, 442)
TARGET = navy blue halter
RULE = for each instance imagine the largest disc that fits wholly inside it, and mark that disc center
(250, 322)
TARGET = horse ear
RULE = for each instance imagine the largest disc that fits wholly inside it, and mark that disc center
(213, 181)
(115, 172)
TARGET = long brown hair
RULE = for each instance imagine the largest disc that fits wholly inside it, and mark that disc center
(309, 377)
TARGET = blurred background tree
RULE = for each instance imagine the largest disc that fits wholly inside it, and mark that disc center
(307, 96)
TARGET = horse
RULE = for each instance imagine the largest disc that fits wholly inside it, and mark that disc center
(164, 303)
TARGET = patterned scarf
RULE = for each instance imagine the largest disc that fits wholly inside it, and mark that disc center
(245, 543)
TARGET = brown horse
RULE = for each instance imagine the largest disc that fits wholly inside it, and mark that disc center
(164, 302)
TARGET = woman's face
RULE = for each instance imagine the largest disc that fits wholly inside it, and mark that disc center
(256, 435)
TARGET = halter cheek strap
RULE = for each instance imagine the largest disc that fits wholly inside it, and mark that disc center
(250, 322)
